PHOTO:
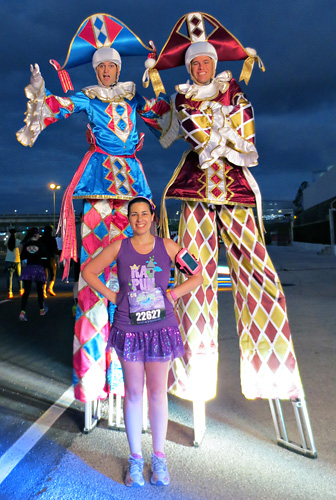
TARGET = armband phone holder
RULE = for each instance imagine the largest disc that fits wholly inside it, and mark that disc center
(186, 263)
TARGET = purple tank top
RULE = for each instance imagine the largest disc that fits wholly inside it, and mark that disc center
(142, 272)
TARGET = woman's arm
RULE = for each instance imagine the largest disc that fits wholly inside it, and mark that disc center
(96, 266)
(191, 282)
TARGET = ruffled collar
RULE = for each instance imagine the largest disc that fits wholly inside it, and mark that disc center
(122, 90)
(199, 92)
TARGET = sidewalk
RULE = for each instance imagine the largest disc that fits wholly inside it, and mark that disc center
(238, 458)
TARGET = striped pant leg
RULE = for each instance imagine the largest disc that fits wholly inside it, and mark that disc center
(103, 221)
(195, 375)
(268, 363)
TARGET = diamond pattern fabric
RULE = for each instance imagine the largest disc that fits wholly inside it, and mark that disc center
(103, 222)
(268, 364)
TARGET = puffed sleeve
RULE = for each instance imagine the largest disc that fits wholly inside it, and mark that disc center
(160, 116)
(44, 108)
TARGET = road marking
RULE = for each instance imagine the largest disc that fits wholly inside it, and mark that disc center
(10, 459)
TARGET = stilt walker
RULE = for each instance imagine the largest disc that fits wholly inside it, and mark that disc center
(109, 175)
(218, 193)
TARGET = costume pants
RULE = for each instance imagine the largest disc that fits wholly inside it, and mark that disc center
(13, 267)
(268, 363)
(51, 269)
(27, 288)
(103, 222)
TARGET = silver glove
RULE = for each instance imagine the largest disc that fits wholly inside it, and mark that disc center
(36, 77)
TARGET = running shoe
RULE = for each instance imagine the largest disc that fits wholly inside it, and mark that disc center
(44, 311)
(21, 291)
(10, 295)
(134, 474)
(23, 316)
(160, 474)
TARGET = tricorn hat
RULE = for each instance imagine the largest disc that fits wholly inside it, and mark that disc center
(199, 27)
(95, 32)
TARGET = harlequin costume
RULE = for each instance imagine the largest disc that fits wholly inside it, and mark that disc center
(108, 176)
(218, 192)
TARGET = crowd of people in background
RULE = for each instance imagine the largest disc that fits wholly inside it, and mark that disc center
(35, 258)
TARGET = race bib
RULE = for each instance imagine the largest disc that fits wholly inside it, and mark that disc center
(146, 306)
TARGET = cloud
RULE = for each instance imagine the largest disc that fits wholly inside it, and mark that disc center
(294, 100)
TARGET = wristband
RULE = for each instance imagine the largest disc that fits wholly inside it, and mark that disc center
(172, 293)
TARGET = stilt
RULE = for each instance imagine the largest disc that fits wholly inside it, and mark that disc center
(91, 415)
(199, 421)
(307, 447)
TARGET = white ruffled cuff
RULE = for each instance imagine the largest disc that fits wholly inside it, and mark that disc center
(170, 128)
(225, 142)
(36, 112)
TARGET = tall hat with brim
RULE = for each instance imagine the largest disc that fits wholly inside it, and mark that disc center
(97, 31)
(199, 27)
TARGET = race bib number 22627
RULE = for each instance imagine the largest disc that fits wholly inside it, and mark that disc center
(146, 306)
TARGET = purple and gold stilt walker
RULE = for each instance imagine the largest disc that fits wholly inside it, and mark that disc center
(218, 194)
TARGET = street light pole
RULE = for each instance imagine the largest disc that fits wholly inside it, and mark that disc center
(54, 187)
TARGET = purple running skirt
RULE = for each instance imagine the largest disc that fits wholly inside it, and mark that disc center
(33, 272)
(162, 344)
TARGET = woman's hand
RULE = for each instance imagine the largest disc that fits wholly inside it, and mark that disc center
(170, 298)
(96, 266)
(112, 297)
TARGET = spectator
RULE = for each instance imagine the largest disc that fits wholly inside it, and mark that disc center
(13, 262)
(35, 253)
(50, 244)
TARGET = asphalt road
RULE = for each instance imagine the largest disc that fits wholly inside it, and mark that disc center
(45, 455)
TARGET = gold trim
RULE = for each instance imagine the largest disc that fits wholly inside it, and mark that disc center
(183, 20)
(213, 202)
(156, 82)
(93, 93)
(103, 196)
(163, 215)
(227, 183)
(112, 119)
(207, 17)
(246, 71)
(163, 223)
(109, 16)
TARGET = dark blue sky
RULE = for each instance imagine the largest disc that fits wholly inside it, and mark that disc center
(294, 100)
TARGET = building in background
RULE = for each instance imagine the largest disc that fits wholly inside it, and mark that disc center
(278, 216)
(314, 209)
